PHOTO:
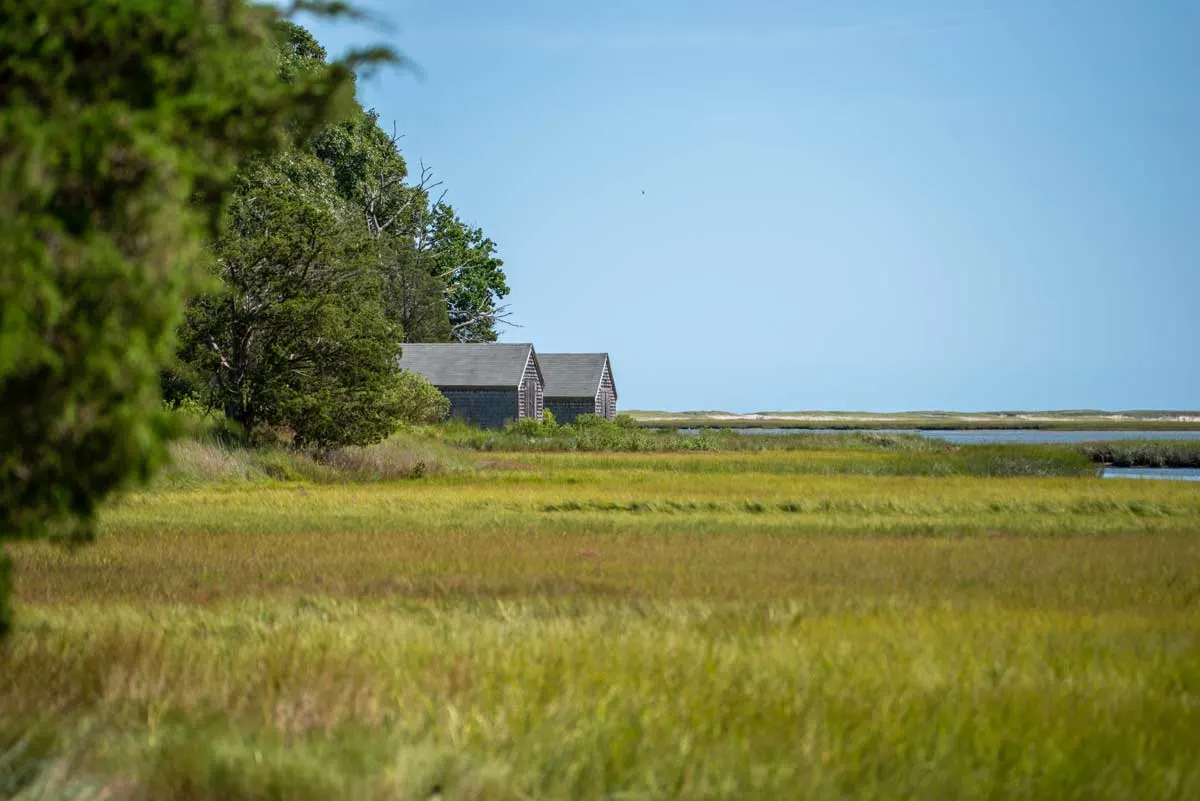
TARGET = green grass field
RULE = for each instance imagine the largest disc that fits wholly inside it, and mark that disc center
(820, 624)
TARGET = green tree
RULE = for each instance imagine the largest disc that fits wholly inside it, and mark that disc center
(122, 125)
(414, 297)
(372, 175)
(464, 261)
(443, 280)
(296, 335)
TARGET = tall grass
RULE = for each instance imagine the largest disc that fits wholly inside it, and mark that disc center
(528, 699)
(198, 462)
(399, 457)
(432, 452)
(639, 535)
(1144, 453)
(592, 434)
(864, 453)
(612, 625)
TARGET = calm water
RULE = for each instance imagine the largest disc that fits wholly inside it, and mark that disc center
(1169, 473)
(987, 436)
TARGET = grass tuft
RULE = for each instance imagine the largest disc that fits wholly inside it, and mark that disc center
(400, 457)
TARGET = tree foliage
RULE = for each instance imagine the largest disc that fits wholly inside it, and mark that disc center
(329, 259)
(463, 259)
(420, 401)
(295, 336)
(122, 125)
(443, 278)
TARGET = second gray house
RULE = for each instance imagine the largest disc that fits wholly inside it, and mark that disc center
(487, 383)
(579, 383)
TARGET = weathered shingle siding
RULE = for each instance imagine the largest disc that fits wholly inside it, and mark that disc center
(530, 396)
(489, 408)
(565, 410)
(606, 397)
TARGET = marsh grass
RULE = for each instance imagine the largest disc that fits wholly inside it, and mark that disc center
(398, 457)
(861, 453)
(434, 452)
(615, 626)
(200, 462)
(1144, 453)
(638, 557)
(598, 435)
(595, 700)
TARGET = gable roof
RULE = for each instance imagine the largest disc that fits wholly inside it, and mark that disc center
(574, 375)
(475, 364)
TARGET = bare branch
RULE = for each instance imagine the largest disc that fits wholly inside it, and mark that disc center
(212, 343)
(493, 316)
(384, 188)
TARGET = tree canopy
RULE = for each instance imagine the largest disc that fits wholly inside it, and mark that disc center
(330, 258)
(153, 151)
(122, 129)
(296, 335)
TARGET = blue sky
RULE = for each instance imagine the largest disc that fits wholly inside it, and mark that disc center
(898, 204)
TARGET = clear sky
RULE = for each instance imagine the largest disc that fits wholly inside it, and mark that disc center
(876, 205)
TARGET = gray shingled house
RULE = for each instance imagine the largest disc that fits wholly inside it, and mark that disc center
(488, 383)
(579, 383)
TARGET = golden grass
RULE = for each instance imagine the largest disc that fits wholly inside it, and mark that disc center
(190, 567)
(703, 493)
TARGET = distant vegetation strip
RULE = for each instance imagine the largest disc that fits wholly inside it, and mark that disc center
(456, 448)
(1144, 453)
(926, 424)
(419, 455)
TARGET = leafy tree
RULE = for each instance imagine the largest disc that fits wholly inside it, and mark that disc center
(296, 337)
(371, 174)
(304, 333)
(464, 261)
(414, 296)
(369, 170)
(443, 279)
(121, 127)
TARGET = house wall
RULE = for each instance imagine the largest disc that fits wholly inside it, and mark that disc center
(531, 394)
(606, 396)
(489, 408)
(565, 410)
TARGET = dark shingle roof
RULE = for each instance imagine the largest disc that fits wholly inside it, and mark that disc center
(572, 375)
(476, 364)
